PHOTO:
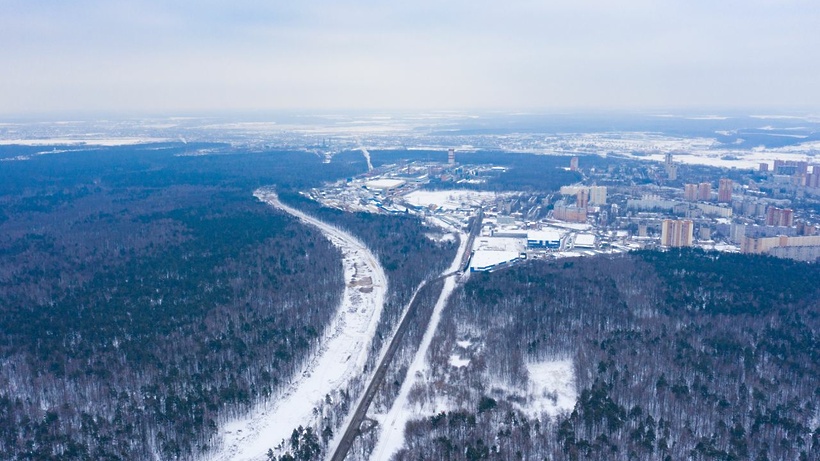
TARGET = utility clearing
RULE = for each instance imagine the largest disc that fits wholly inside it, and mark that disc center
(391, 438)
(341, 358)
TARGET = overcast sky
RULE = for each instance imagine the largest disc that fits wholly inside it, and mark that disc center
(181, 56)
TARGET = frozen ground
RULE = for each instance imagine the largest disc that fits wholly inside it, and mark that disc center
(550, 389)
(104, 142)
(392, 424)
(448, 199)
(748, 159)
(687, 150)
(341, 358)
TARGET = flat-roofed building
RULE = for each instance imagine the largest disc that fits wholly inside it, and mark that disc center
(766, 244)
(569, 213)
(779, 216)
(677, 233)
(491, 253)
(597, 195)
(584, 241)
(384, 184)
(544, 239)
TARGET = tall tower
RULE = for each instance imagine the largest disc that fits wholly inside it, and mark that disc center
(451, 157)
(725, 191)
(573, 164)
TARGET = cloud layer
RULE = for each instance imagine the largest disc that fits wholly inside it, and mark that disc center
(184, 56)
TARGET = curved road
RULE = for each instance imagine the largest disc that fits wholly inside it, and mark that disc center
(342, 356)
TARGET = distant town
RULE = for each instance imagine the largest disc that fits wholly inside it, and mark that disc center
(611, 210)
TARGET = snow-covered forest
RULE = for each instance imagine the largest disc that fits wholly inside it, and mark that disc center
(676, 355)
(149, 298)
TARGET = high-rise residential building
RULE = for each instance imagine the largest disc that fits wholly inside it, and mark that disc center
(569, 213)
(451, 157)
(573, 164)
(813, 178)
(779, 217)
(772, 216)
(672, 172)
(767, 244)
(670, 167)
(704, 191)
(690, 192)
(725, 191)
(597, 195)
(763, 168)
(582, 198)
(790, 167)
(677, 233)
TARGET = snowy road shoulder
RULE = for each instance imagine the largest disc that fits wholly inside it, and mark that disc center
(342, 355)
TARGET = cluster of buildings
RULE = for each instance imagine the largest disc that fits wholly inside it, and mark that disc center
(612, 210)
(755, 215)
(586, 199)
(751, 212)
(703, 191)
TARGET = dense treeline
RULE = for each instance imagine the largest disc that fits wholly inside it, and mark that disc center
(677, 355)
(146, 297)
(526, 172)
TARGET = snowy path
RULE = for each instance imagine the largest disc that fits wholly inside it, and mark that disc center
(391, 438)
(342, 356)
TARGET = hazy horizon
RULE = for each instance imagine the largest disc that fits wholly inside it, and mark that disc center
(149, 57)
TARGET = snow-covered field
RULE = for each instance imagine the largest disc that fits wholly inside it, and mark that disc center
(687, 150)
(103, 142)
(746, 159)
(342, 355)
(448, 199)
(392, 424)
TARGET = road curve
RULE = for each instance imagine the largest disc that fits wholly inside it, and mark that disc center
(342, 356)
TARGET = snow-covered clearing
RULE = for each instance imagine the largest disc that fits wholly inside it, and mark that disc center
(449, 199)
(343, 353)
(550, 389)
(441, 238)
(457, 361)
(392, 425)
(464, 343)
